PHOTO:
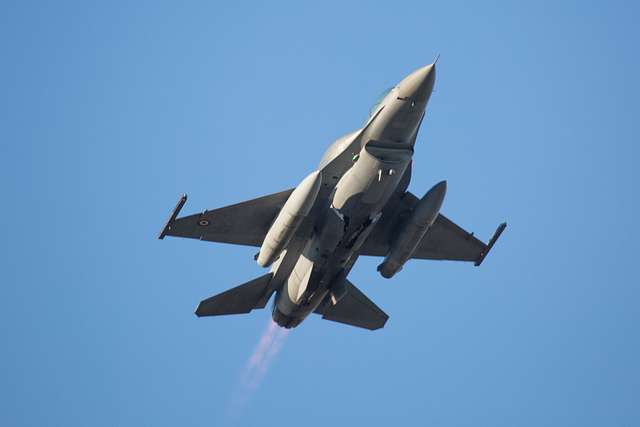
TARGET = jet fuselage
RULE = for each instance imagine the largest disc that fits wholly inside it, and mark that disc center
(312, 270)
(355, 203)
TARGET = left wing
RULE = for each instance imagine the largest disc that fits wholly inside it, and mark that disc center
(247, 223)
(445, 240)
(244, 223)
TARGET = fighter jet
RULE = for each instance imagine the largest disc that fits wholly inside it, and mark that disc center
(355, 203)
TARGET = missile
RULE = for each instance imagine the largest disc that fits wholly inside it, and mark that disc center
(294, 211)
(413, 230)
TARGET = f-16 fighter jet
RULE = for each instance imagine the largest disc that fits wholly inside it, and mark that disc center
(355, 203)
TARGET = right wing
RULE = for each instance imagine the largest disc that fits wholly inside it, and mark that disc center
(245, 223)
(354, 309)
(445, 240)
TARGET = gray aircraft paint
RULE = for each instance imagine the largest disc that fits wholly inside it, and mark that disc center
(354, 204)
(359, 197)
(294, 211)
(413, 230)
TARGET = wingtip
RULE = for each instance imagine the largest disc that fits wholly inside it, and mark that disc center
(492, 242)
(173, 216)
(198, 311)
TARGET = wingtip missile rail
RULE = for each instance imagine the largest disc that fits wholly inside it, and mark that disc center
(492, 242)
(174, 215)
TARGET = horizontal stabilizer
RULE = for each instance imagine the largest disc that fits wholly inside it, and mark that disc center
(354, 309)
(241, 299)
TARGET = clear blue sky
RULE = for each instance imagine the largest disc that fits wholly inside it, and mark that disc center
(109, 111)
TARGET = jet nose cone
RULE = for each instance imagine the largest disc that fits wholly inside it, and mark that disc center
(419, 84)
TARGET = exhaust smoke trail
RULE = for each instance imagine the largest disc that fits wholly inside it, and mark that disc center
(256, 368)
(263, 366)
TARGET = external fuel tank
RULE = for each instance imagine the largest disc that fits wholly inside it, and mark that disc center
(294, 211)
(413, 230)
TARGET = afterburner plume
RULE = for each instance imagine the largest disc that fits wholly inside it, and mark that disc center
(269, 355)
(256, 368)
